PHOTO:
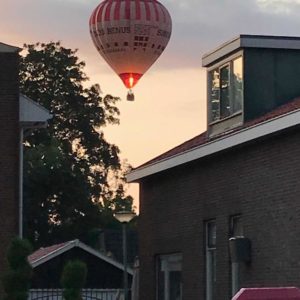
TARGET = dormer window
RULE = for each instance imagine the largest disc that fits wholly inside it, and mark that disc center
(249, 76)
(225, 89)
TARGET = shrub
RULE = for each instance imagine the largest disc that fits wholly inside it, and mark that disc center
(73, 279)
(16, 281)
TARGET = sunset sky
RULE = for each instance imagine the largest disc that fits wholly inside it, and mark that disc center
(170, 104)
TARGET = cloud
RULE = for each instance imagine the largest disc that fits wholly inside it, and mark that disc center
(172, 94)
(198, 25)
(201, 25)
(279, 6)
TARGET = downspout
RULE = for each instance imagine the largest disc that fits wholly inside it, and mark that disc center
(21, 184)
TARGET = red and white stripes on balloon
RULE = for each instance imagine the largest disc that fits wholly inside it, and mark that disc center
(130, 35)
(115, 10)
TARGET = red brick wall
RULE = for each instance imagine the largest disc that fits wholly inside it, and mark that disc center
(261, 181)
(9, 151)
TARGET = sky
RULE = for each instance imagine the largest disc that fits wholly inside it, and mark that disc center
(170, 99)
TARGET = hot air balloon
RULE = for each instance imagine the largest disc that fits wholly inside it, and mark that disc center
(130, 35)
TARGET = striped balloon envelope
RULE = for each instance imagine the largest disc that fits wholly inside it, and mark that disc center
(130, 35)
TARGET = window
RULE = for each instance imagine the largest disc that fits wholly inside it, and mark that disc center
(169, 277)
(226, 90)
(236, 226)
(211, 234)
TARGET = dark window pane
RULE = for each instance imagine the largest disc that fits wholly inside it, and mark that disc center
(160, 285)
(211, 278)
(211, 234)
(236, 226)
(175, 285)
(211, 260)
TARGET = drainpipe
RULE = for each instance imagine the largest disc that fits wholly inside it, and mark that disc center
(240, 252)
(21, 184)
(235, 277)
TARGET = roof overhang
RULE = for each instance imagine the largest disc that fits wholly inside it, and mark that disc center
(223, 143)
(250, 41)
(32, 114)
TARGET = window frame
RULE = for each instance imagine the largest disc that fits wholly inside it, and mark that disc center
(166, 284)
(210, 265)
(218, 66)
(234, 267)
(232, 225)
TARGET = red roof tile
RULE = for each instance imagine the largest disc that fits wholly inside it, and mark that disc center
(42, 252)
(203, 138)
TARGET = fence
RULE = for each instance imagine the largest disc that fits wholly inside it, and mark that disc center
(87, 294)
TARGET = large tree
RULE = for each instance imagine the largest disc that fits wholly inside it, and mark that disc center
(73, 177)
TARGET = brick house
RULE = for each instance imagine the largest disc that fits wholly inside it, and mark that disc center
(9, 147)
(221, 211)
(17, 114)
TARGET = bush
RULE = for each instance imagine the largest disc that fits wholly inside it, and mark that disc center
(73, 279)
(16, 281)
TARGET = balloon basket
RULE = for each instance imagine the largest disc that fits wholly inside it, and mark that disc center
(130, 96)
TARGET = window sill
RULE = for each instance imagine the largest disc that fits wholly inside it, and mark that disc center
(226, 124)
(226, 118)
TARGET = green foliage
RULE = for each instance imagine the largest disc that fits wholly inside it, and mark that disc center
(16, 281)
(73, 279)
(73, 177)
(18, 252)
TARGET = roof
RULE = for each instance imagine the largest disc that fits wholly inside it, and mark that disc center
(263, 293)
(4, 48)
(250, 41)
(202, 145)
(42, 252)
(43, 255)
(32, 114)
